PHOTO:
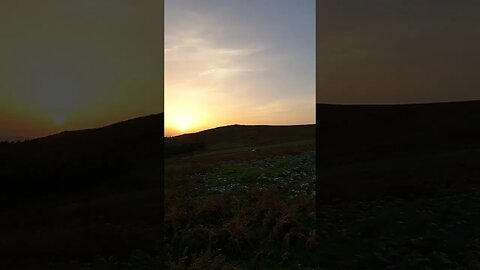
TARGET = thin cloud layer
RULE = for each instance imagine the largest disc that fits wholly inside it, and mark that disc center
(226, 60)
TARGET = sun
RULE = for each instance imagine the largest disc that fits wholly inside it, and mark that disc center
(182, 121)
(183, 124)
(183, 118)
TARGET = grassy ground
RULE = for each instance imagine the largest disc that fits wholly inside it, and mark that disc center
(242, 209)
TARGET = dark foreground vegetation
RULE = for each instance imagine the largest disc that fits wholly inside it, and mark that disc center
(89, 199)
(398, 186)
(244, 200)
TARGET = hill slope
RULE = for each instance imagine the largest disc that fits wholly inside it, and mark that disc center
(238, 137)
(76, 161)
(378, 149)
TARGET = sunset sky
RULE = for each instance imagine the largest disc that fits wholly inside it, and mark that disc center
(377, 51)
(238, 62)
(68, 65)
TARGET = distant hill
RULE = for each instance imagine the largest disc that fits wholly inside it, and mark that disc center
(144, 127)
(76, 161)
(238, 136)
(362, 148)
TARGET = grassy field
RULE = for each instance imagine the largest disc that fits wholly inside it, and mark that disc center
(242, 204)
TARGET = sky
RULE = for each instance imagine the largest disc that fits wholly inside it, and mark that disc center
(398, 51)
(238, 62)
(67, 65)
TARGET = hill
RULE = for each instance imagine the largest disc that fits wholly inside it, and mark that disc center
(78, 161)
(241, 193)
(398, 186)
(386, 149)
(239, 138)
(84, 197)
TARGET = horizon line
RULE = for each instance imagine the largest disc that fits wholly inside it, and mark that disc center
(245, 125)
(13, 139)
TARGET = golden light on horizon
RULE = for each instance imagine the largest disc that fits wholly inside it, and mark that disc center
(183, 119)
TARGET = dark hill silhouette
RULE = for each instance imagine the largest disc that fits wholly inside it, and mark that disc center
(83, 195)
(365, 150)
(77, 161)
(238, 135)
(125, 130)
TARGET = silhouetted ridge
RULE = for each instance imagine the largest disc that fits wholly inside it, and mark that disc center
(126, 129)
(237, 135)
(77, 161)
(415, 127)
(395, 148)
(249, 133)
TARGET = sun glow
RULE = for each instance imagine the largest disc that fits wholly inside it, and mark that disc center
(181, 121)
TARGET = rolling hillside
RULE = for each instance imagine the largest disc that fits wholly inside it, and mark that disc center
(240, 138)
(396, 148)
(398, 186)
(84, 197)
(77, 161)
(242, 197)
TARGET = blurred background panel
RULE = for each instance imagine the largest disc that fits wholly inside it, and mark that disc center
(398, 148)
(81, 131)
